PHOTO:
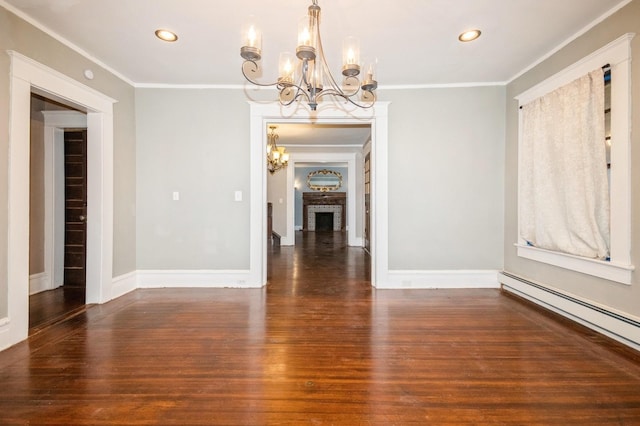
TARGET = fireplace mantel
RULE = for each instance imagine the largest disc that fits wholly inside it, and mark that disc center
(324, 199)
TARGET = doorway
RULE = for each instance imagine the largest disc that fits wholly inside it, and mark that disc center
(29, 76)
(260, 116)
(58, 211)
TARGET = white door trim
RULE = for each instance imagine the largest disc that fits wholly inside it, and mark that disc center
(29, 76)
(377, 117)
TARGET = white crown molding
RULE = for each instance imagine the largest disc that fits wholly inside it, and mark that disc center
(272, 88)
(295, 145)
(64, 41)
(570, 39)
(441, 85)
(200, 86)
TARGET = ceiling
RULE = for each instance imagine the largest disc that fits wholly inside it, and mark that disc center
(414, 41)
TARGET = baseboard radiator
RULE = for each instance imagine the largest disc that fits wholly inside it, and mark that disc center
(622, 328)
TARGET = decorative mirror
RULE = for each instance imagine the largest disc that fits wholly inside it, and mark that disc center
(324, 180)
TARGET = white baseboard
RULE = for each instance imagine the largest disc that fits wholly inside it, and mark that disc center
(356, 242)
(199, 278)
(298, 228)
(441, 279)
(123, 284)
(617, 325)
(38, 283)
(287, 241)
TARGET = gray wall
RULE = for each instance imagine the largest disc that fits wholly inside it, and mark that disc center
(620, 297)
(446, 151)
(17, 35)
(446, 178)
(195, 142)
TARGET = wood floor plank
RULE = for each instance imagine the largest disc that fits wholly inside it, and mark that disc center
(318, 345)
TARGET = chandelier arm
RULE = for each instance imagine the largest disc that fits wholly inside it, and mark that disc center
(351, 101)
(252, 81)
(325, 66)
(299, 89)
(357, 88)
(295, 98)
(305, 71)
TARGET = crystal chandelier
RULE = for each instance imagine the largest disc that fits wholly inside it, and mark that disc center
(277, 158)
(309, 77)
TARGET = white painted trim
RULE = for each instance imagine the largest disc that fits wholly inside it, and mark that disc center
(585, 312)
(65, 119)
(383, 87)
(571, 39)
(61, 39)
(454, 85)
(38, 282)
(618, 55)
(29, 76)
(425, 279)
(377, 116)
(358, 241)
(598, 268)
(124, 284)
(614, 53)
(323, 146)
(54, 124)
(195, 278)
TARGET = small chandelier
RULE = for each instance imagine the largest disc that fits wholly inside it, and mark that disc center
(310, 78)
(277, 158)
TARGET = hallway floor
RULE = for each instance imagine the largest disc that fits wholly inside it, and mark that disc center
(317, 346)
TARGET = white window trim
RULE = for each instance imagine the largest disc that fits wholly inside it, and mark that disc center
(618, 55)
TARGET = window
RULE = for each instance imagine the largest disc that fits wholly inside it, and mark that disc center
(617, 265)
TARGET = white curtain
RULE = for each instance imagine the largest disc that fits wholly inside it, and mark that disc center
(564, 194)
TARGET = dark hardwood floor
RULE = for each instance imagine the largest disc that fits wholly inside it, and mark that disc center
(318, 345)
(51, 306)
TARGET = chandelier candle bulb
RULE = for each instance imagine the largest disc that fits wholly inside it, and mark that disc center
(252, 39)
(351, 57)
(370, 84)
(305, 49)
(286, 68)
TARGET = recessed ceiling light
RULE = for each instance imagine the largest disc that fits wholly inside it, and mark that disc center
(166, 35)
(469, 35)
